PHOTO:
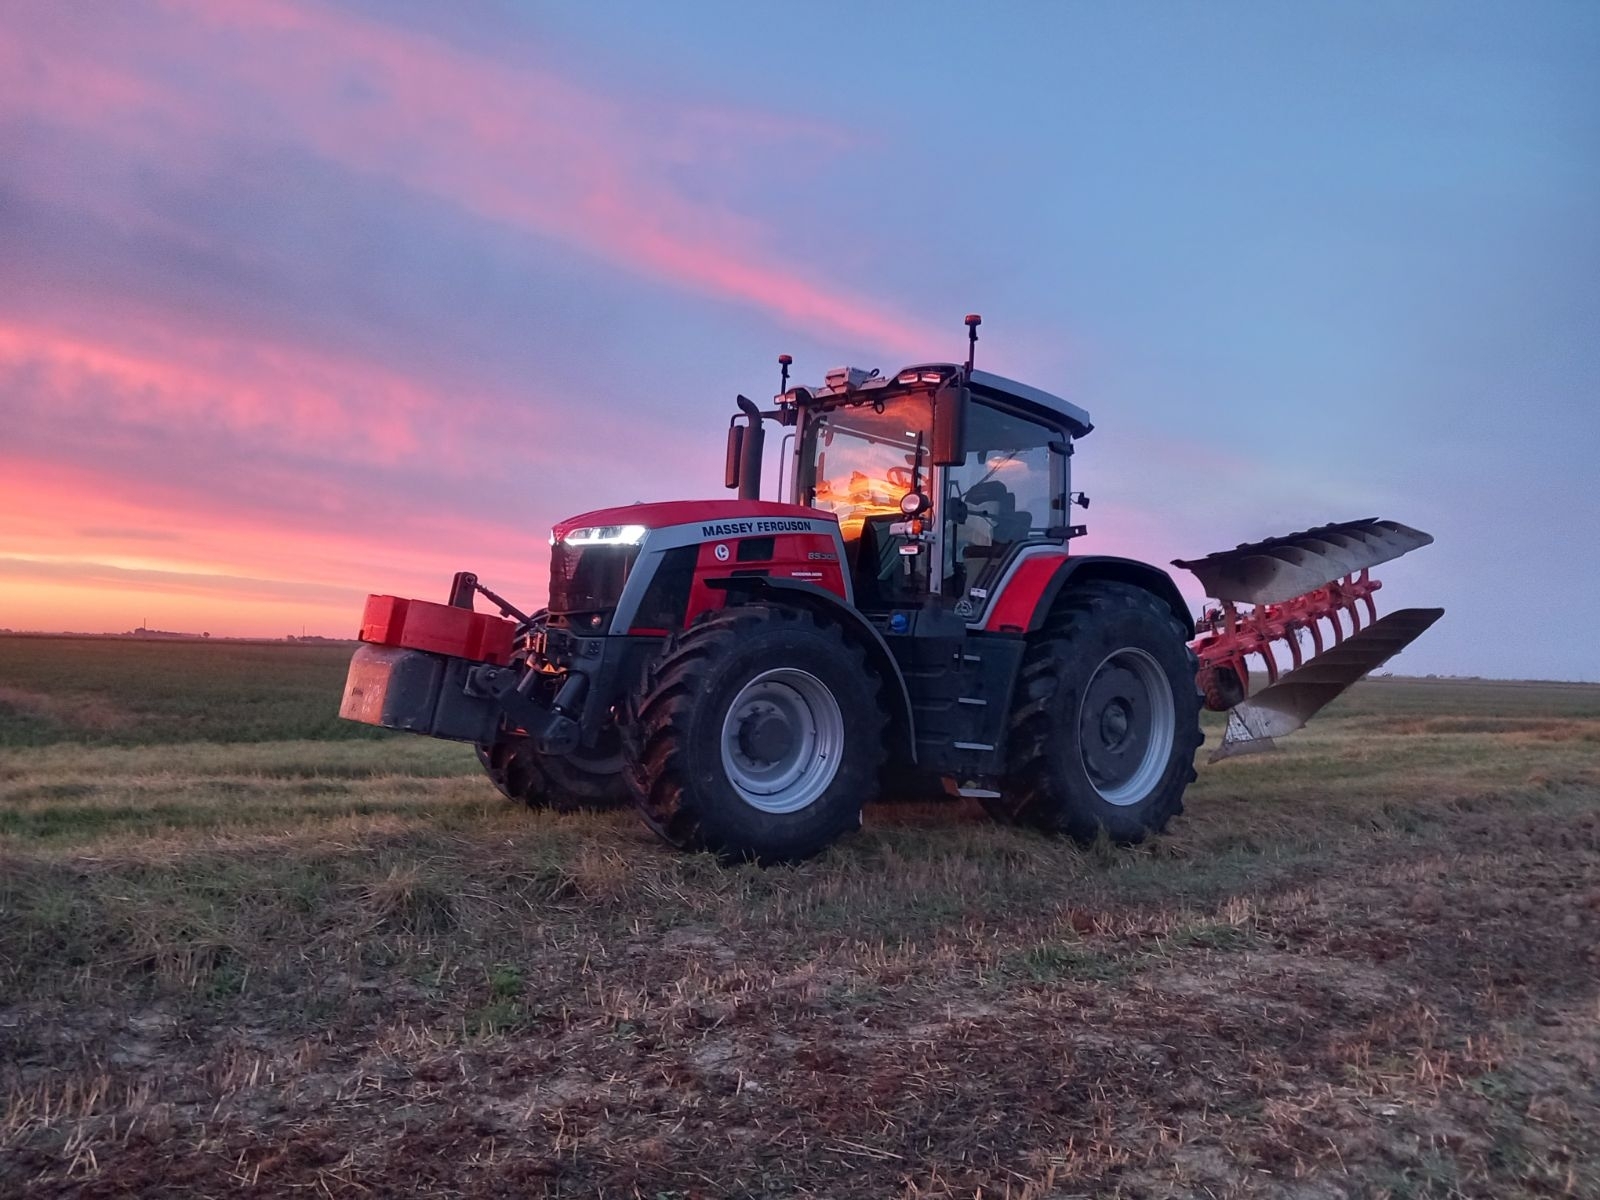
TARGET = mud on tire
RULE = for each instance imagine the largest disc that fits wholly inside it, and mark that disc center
(757, 734)
(1106, 719)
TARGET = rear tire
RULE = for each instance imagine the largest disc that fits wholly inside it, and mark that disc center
(758, 734)
(1106, 719)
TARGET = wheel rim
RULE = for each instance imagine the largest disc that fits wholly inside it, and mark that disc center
(1126, 724)
(781, 740)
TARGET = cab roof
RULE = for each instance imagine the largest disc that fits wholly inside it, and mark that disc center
(1027, 396)
(852, 380)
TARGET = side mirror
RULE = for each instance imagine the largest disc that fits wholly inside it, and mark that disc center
(730, 472)
(950, 425)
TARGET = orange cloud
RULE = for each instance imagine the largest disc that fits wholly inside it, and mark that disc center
(70, 533)
(94, 606)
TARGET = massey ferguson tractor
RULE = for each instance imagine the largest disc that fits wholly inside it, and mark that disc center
(907, 618)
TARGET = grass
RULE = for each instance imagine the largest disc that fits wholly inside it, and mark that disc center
(241, 949)
(102, 691)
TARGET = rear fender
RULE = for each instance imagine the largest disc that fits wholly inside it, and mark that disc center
(1033, 588)
(825, 603)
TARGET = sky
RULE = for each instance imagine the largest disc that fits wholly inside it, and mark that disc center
(305, 299)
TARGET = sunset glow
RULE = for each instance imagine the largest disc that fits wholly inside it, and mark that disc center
(305, 299)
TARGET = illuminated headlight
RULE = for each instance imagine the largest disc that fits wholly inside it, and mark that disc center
(606, 535)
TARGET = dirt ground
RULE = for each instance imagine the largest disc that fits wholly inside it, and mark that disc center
(1368, 965)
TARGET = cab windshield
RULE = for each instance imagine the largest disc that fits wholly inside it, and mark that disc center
(857, 462)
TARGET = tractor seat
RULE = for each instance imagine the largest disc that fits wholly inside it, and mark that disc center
(996, 502)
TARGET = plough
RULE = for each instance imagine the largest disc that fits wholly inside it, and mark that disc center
(1291, 585)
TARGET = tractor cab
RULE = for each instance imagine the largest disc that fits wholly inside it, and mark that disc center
(940, 476)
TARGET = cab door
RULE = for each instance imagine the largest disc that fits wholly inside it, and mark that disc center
(1009, 492)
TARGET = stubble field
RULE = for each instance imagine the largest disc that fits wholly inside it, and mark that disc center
(246, 948)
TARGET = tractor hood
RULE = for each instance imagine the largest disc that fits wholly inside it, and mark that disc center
(652, 568)
(719, 519)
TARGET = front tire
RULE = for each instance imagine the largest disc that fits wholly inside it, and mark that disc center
(758, 734)
(1106, 719)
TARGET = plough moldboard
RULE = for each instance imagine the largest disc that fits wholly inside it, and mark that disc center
(1290, 586)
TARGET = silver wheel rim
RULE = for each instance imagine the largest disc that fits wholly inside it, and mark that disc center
(782, 740)
(1126, 725)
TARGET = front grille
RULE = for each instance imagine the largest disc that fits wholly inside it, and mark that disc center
(667, 598)
(588, 579)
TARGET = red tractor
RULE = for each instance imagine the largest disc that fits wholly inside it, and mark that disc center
(911, 621)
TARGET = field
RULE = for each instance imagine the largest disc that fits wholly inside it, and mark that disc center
(245, 948)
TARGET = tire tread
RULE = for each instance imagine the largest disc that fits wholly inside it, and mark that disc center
(1029, 795)
(657, 716)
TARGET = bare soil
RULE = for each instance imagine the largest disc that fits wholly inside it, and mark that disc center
(1367, 966)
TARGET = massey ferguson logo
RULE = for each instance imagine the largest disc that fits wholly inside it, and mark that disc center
(724, 529)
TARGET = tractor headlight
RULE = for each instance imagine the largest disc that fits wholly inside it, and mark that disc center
(606, 535)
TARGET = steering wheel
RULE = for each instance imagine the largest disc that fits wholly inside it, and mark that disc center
(901, 477)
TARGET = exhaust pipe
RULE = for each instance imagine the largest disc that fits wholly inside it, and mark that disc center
(750, 451)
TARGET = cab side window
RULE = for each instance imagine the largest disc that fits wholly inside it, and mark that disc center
(999, 497)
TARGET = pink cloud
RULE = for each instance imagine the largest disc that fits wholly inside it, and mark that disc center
(111, 363)
(520, 147)
(185, 383)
